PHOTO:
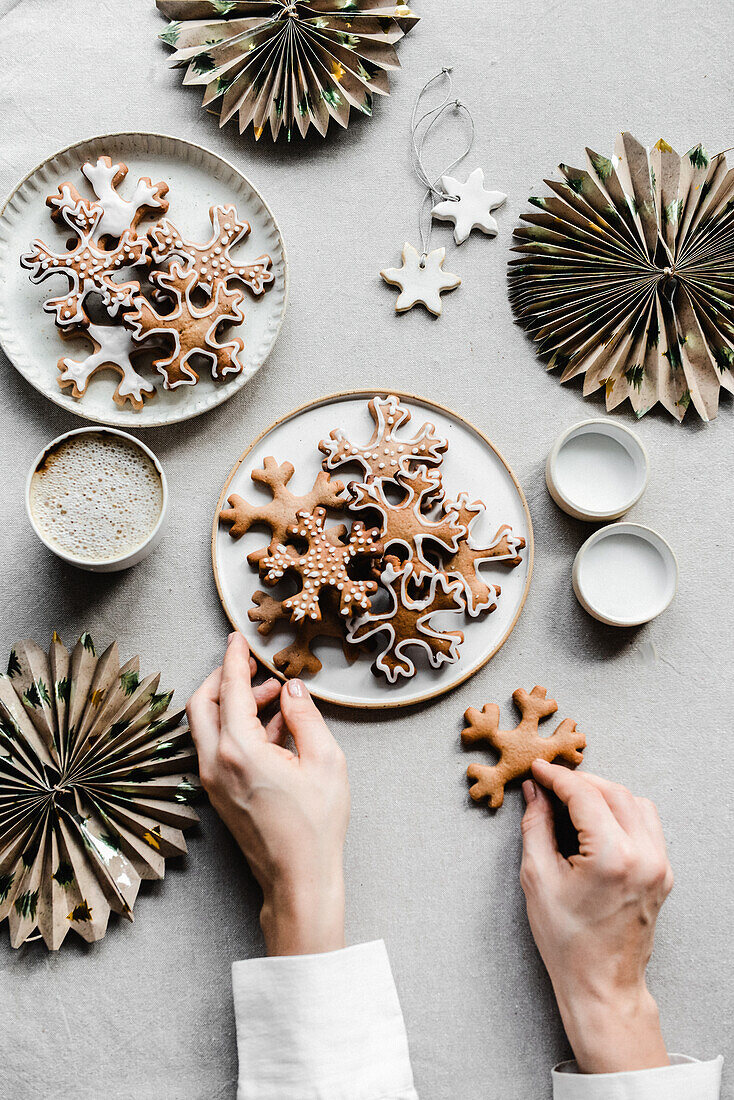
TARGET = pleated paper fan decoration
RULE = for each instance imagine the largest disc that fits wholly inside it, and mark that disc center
(95, 781)
(289, 64)
(627, 276)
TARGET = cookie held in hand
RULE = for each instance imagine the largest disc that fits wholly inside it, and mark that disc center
(298, 656)
(519, 747)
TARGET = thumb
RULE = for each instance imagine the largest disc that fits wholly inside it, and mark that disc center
(540, 855)
(303, 719)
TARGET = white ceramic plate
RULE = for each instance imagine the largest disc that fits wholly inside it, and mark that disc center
(471, 464)
(197, 180)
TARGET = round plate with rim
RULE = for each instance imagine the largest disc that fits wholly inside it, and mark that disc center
(471, 464)
(198, 179)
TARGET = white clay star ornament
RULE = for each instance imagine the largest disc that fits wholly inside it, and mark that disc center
(421, 280)
(468, 205)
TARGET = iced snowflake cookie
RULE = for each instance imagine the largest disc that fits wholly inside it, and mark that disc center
(212, 261)
(406, 625)
(87, 266)
(505, 548)
(323, 564)
(385, 454)
(190, 330)
(113, 348)
(406, 528)
(118, 214)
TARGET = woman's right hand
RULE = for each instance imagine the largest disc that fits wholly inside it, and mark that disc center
(288, 811)
(593, 915)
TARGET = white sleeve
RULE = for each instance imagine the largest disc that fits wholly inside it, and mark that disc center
(321, 1027)
(683, 1079)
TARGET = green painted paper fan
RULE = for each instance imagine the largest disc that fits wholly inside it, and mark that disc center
(95, 783)
(287, 64)
(627, 276)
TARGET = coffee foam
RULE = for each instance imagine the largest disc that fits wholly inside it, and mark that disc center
(96, 497)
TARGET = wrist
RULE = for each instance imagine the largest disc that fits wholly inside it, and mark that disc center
(304, 918)
(612, 1030)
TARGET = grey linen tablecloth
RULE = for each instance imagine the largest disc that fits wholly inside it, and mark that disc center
(147, 1013)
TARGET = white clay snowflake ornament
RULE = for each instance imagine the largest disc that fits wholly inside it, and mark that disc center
(468, 205)
(422, 280)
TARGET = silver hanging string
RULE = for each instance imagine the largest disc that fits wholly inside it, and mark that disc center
(434, 192)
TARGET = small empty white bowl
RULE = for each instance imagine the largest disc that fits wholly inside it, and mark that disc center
(597, 470)
(625, 574)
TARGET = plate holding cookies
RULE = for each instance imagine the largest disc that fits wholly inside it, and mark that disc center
(143, 279)
(377, 544)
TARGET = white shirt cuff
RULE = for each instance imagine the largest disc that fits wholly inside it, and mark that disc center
(683, 1079)
(321, 1027)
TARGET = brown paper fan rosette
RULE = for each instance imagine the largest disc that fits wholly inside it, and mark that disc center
(289, 64)
(627, 276)
(95, 781)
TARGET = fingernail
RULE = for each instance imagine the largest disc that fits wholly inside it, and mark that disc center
(296, 688)
(231, 637)
(272, 680)
(530, 791)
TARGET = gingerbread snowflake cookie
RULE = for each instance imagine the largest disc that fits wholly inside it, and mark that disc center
(118, 213)
(518, 747)
(282, 511)
(386, 453)
(87, 266)
(191, 331)
(503, 549)
(212, 261)
(323, 564)
(406, 625)
(298, 656)
(406, 528)
(113, 349)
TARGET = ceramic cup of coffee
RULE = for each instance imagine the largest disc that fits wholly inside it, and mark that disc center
(98, 498)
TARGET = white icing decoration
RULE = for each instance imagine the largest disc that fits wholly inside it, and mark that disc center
(469, 206)
(114, 346)
(95, 275)
(421, 284)
(374, 623)
(120, 214)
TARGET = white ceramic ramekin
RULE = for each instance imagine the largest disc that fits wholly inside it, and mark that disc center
(597, 470)
(625, 574)
(106, 565)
